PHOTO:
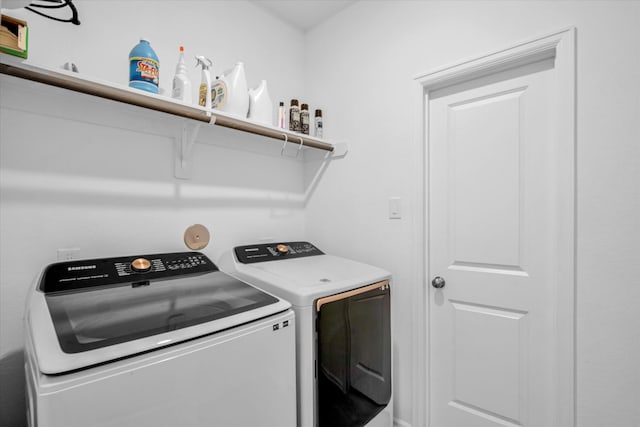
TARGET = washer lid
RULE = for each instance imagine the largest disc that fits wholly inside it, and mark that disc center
(86, 326)
(100, 318)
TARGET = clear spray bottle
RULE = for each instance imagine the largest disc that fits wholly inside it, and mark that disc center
(204, 94)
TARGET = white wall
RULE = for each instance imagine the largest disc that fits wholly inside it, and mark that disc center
(359, 69)
(96, 175)
(361, 66)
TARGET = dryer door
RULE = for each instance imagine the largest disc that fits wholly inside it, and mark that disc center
(354, 355)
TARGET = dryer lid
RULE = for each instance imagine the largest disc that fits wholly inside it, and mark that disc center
(303, 277)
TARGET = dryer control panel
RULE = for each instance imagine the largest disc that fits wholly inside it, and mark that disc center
(275, 251)
(138, 270)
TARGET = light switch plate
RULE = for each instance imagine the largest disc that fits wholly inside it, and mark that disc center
(394, 208)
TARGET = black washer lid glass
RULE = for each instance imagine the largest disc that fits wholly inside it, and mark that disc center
(107, 315)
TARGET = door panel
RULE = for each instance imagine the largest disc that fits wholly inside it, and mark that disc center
(488, 365)
(491, 234)
(485, 167)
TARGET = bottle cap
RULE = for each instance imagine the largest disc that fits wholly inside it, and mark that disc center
(318, 113)
(304, 107)
(294, 102)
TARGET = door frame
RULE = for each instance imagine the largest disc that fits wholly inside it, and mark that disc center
(561, 46)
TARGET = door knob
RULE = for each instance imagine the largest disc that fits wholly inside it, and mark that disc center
(438, 282)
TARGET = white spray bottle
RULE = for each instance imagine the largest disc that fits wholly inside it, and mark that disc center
(204, 94)
(181, 82)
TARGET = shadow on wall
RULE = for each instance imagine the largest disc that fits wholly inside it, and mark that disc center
(33, 187)
(13, 408)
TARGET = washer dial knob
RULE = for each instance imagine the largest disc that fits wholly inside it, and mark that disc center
(140, 265)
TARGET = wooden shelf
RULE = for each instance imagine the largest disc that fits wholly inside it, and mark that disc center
(76, 82)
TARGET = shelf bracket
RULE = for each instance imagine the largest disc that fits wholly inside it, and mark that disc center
(340, 149)
(184, 146)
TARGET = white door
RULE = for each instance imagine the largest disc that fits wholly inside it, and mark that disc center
(492, 239)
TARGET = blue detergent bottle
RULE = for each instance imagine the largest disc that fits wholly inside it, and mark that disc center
(144, 67)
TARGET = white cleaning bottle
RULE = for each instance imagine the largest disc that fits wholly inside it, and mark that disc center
(237, 91)
(260, 105)
(181, 82)
(219, 93)
(204, 94)
(231, 92)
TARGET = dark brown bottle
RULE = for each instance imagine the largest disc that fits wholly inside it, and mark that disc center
(294, 116)
(304, 118)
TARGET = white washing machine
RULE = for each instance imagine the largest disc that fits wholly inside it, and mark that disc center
(343, 332)
(157, 340)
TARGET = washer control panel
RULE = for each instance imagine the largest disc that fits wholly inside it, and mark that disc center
(275, 251)
(137, 269)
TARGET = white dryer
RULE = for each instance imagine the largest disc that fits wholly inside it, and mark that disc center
(158, 340)
(343, 332)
